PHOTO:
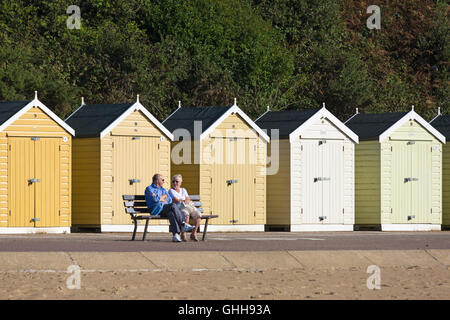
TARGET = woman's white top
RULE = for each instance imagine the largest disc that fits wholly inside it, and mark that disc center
(182, 195)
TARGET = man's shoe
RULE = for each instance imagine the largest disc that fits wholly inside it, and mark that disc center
(187, 227)
(183, 237)
(176, 238)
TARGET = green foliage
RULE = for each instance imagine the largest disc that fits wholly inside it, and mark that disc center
(289, 54)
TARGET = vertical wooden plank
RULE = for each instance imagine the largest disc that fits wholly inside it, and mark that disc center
(333, 154)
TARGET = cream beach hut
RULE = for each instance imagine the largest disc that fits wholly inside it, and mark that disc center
(398, 171)
(313, 189)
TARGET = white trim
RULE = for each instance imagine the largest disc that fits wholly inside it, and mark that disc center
(74, 112)
(435, 118)
(412, 115)
(324, 113)
(179, 106)
(165, 228)
(137, 106)
(30, 230)
(37, 103)
(410, 227)
(130, 228)
(235, 109)
(321, 227)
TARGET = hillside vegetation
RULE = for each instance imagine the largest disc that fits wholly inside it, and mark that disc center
(288, 54)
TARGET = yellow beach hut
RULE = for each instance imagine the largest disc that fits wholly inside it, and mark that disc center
(398, 170)
(116, 151)
(35, 165)
(221, 154)
(313, 188)
(442, 124)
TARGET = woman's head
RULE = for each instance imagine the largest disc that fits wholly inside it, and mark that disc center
(177, 180)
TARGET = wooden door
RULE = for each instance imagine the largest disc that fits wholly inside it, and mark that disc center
(244, 182)
(333, 181)
(124, 163)
(401, 186)
(312, 185)
(222, 191)
(21, 196)
(47, 189)
(421, 183)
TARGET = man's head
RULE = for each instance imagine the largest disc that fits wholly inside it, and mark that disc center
(158, 180)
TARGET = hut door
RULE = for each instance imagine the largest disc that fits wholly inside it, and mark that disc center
(244, 182)
(312, 179)
(135, 161)
(124, 163)
(401, 186)
(332, 183)
(47, 190)
(421, 184)
(33, 184)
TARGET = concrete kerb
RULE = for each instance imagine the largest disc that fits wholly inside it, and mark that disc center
(220, 261)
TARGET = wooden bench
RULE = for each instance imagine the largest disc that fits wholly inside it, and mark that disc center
(136, 207)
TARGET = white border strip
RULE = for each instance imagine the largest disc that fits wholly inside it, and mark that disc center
(321, 227)
(410, 227)
(30, 230)
(165, 228)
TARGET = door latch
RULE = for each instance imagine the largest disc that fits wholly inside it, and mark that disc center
(31, 181)
(134, 181)
(35, 219)
(322, 179)
(233, 221)
(321, 218)
(411, 179)
(411, 217)
(230, 182)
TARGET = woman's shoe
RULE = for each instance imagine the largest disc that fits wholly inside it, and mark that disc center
(183, 236)
(194, 237)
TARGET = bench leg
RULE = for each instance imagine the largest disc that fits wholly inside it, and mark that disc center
(145, 230)
(135, 229)
(204, 230)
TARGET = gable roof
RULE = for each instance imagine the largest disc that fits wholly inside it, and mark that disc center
(293, 123)
(211, 117)
(10, 111)
(370, 126)
(285, 121)
(97, 120)
(380, 126)
(442, 124)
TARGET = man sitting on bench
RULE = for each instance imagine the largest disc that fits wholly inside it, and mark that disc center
(159, 201)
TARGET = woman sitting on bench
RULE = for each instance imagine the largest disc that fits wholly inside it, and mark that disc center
(181, 198)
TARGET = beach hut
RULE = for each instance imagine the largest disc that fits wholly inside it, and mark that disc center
(442, 124)
(35, 165)
(398, 171)
(116, 151)
(313, 189)
(221, 154)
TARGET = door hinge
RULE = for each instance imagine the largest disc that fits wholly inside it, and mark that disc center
(59, 148)
(113, 213)
(391, 149)
(343, 210)
(112, 145)
(301, 148)
(254, 180)
(158, 146)
(112, 179)
(343, 148)
(431, 210)
(254, 213)
(391, 210)
(211, 180)
(301, 211)
(59, 212)
(9, 147)
(9, 212)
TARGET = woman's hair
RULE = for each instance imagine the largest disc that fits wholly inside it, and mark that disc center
(175, 177)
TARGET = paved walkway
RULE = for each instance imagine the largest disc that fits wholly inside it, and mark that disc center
(221, 242)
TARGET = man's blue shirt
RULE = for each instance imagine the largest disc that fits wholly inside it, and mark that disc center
(153, 196)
